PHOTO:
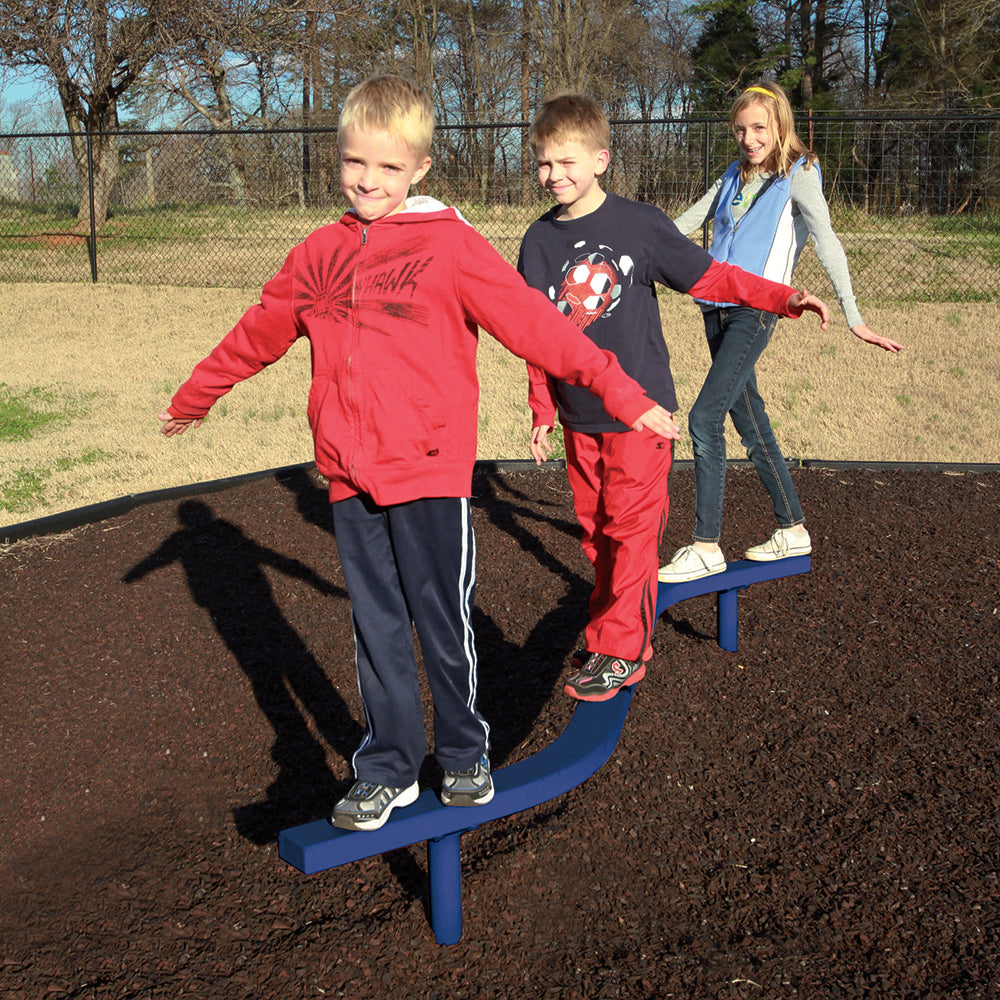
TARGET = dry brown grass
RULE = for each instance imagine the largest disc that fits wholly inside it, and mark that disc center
(833, 397)
(110, 356)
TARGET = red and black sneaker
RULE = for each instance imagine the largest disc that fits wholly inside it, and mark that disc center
(601, 677)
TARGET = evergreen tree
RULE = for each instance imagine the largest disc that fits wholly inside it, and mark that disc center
(727, 57)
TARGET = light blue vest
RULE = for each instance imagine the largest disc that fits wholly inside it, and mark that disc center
(767, 240)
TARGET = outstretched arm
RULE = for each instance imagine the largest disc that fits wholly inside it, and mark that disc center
(298, 570)
(163, 556)
(807, 193)
(724, 282)
(701, 212)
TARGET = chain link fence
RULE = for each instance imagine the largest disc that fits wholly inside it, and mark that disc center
(915, 200)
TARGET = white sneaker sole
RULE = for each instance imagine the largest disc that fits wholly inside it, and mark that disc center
(665, 575)
(775, 556)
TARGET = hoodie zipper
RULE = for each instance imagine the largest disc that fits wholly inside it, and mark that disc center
(350, 358)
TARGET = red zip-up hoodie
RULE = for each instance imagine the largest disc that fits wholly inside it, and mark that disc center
(392, 310)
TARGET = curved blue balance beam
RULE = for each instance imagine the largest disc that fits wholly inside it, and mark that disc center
(582, 749)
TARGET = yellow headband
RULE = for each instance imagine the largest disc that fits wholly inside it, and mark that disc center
(759, 90)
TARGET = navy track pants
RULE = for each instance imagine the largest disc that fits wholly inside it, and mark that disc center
(406, 565)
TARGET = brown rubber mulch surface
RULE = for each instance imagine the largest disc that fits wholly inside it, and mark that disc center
(815, 815)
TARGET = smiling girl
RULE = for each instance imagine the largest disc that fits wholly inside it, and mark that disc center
(762, 209)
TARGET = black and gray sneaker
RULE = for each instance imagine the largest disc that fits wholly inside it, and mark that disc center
(367, 805)
(471, 787)
(601, 677)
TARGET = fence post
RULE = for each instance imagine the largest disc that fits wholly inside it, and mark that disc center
(92, 248)
(708, 178)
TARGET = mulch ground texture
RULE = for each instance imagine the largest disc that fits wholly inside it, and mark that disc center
(814, 815)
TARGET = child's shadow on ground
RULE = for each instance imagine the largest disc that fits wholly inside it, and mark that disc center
(225, 575)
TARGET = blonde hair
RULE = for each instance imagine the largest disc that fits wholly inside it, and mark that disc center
(789, 148)
(570, 117)
(390, 104)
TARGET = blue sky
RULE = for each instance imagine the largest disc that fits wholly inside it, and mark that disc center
(17, 86)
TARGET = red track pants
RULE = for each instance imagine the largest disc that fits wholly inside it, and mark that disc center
(619, 483)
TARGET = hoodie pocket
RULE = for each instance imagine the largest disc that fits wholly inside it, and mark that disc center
(405, 427)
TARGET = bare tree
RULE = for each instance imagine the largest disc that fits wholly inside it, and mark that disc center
(946, 53)
(209, 42)
(94, 52)
(239, 63)
(477, 81)
(216, 52)
(662, 66)
(572, 40)
(811, 44)
(875, 22)
(15, 116)
(417, 27)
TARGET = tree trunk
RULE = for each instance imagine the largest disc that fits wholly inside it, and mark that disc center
(527, 160)
(807, 55)
(237, 170)
(99, 165)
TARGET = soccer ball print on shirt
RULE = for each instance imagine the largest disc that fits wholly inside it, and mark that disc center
(592, 285)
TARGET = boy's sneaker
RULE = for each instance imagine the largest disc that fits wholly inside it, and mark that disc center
(601, 676)
(783, 543)
(367, 805)
(690, 563)
(471, 787)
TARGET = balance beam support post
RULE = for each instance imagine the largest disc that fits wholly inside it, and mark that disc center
(444, 877)
(726, 613)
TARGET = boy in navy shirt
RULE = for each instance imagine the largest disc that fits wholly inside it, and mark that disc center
(598, 256)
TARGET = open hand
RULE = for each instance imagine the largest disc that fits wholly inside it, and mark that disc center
(801, 301)
(177, 425)
(869, 336)
(540, 447)
(659, 421)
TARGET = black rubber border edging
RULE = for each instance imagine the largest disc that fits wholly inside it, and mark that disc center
(92, 513)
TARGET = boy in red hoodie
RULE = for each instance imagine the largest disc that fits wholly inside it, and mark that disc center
(391, 298)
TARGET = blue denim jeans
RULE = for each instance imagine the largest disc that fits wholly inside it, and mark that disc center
(736, 339)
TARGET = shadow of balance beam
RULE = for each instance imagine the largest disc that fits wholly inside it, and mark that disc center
(582, 749)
